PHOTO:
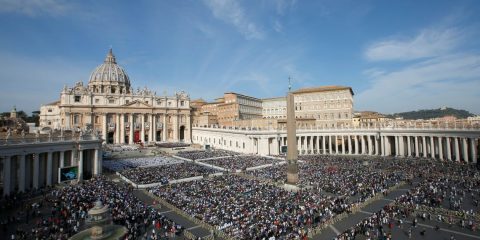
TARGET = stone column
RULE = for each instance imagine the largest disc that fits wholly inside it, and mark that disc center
(465, 150)
(122, 128)
(142, 131)
(130, 137)
(362, 141)
(377, 149)
(417, 149)
(440, 148)
(49, 168)
(21, 176)
(154, 128)
(349, 144)
(409, 146)
(117, 128)
(382, 143)
(424, 145)
(370, 145)
(165, 128)
(330, 144)
(449, 148)
(397, 148)
(318, 144)
(7, 169)
(401, 145)
(62, 159)
(150, 130)
(95, 162)
(36, 169)
(104, 127)
(311, 144)
(80, 165)
(324, 145)
(336, 144)
(388, 147)
(432, 147)
(175, 128)
(473, 150)
(457, 150)
(343, 145)
(356, 144)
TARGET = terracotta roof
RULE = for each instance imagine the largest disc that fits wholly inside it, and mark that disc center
(53, 103)
(198, 100)
(322, 89)
(244, 96)
(274, 98)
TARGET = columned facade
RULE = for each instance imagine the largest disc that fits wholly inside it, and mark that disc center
(35, 163)
(122, 115)
(442, 144)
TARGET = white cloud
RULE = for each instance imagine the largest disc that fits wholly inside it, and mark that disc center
(428, 43)
(277, 26)
(231, 12)
(283, 5)
(34, 8)
(373, 72)
(451, 81)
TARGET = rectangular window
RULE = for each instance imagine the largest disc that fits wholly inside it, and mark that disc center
(49, 110)
(127, 101)
(111, 101)
(182, 103)
(77, 98)
(97, 100)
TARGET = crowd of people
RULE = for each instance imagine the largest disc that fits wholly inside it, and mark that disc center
(128, 163)
(440, 192)
(121, 148)
(165, 173)
(354, 177)
(171, 145)
(68, 208)
(200, 154)
(241, 162)
(252, 209)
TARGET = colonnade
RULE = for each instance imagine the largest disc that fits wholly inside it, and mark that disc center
(33, 165)
(427, 146)
(130, 128)
(442, 144)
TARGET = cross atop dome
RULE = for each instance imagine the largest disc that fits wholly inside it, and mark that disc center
(110, 57)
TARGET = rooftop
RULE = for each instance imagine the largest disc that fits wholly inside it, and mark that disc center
(322, 89)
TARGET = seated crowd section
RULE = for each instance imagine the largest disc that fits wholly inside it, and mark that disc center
(254, 204)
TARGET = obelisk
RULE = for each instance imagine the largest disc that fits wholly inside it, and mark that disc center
(292, 154)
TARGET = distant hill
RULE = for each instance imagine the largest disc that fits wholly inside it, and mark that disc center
(433, 113)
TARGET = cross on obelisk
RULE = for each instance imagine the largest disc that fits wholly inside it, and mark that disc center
(292, 154)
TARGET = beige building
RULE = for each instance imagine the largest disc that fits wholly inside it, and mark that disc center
(328, 105)
(275, 108)
(226, 110)
(369, 118)
(110, 105)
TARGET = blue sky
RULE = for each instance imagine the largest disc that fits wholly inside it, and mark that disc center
(396, 55)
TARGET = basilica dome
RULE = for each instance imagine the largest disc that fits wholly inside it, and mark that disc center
(109, 77)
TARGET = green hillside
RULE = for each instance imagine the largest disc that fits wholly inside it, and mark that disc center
(433, 113)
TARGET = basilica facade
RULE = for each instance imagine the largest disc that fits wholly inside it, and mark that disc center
(109, 105)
